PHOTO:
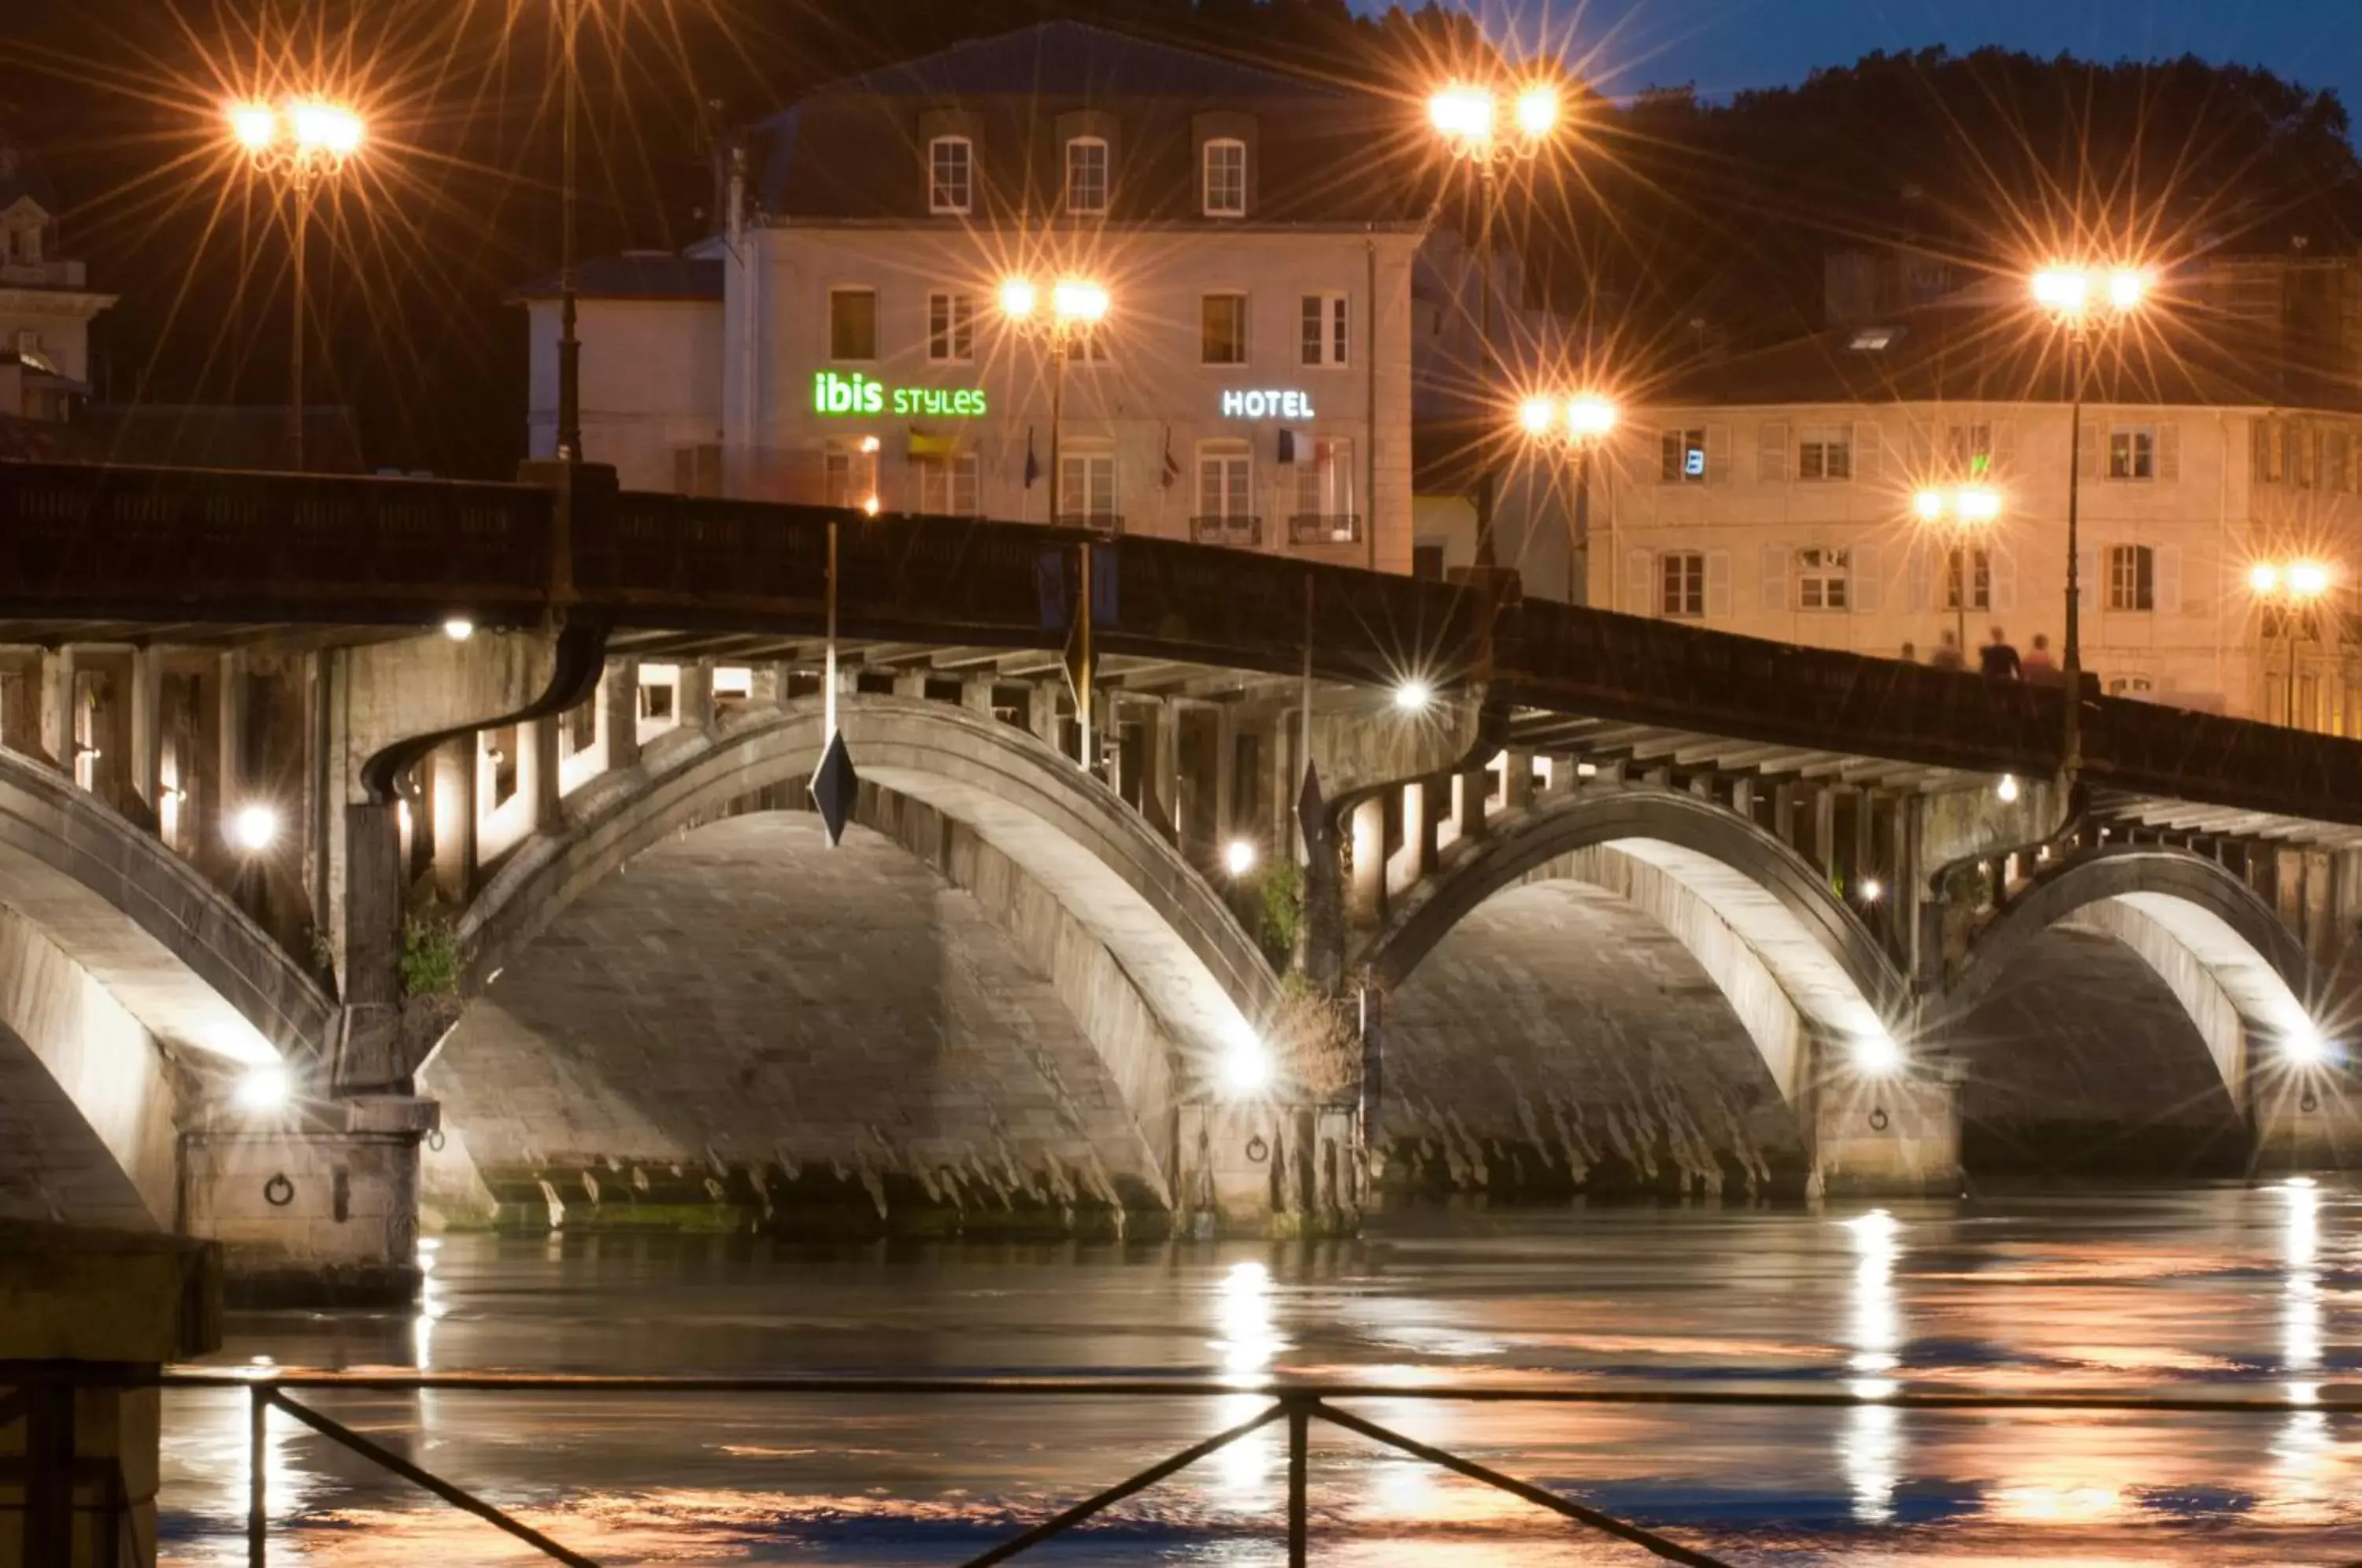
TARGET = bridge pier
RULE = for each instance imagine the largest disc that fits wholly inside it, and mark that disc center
(1890, 1135)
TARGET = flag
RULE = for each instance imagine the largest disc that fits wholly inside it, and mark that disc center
(1171, 465)
(1032, 469)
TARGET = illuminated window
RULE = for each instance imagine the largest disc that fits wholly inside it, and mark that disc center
(852, 323)
(1969, 448)
(951, 329)
(850, 473)
(2132, 452)
(949, 486)
(951, 174)
(1226, 178)
(1087, 490)
(1978, 566)
(1681, 583)
(2132, 577)
(1223, 337)
(1087, 175)
(1325, 333)
(1324, 493)
(1822, 579)
(1683, 456)
(1825, 452)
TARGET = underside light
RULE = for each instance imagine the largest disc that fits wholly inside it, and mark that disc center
(458, 628)
(2008, 788)
(1239, 856)
(1246, 1067)
(1414, 696)
(1873, 890)
(264, 1088)
(254, 828)
(870, 506)
(2303, 1046)
(1877, 1055)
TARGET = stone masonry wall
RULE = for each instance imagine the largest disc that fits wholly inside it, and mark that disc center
(743, 1026)
(1559, 1039)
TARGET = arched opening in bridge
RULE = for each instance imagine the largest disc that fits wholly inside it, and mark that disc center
(2081, 1061)
(1560, 1040)
(744, 1024)
(1633, 1014)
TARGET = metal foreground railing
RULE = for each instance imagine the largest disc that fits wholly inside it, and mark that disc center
(1299, 1405)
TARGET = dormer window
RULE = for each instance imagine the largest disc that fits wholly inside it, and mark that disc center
(951, 174)
(1087, 175)
(1226, 177)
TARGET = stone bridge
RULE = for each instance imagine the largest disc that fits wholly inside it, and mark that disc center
(373, 850)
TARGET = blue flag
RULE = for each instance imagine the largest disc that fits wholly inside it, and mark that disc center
(1032, 469)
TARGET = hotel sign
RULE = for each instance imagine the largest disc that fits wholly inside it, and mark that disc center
(836, 395)
(1268, 403)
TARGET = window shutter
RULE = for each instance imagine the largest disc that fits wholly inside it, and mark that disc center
(1921, 570)
(1718, 453)
(2168, 453)
(1640, 583)
(2168, 579)
(2004, 580)
(1771, 451)
(1868, 448)
(1717, 584)
(1771, 577)
(2087, 448)
(1921, 453)
(2260, 451)
(2090, 589)
(1869, 574)
(2004, 444)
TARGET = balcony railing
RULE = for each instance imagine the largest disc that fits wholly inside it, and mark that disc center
(1325, 528)
(1225, 528)
(1299, 1408)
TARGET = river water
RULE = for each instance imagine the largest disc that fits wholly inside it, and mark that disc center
(2219, 1289)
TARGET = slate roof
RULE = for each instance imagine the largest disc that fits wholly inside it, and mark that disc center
(1988, 349)
(855, 149)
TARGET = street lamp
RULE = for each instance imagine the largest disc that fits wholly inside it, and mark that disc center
(569, 346)
(300, 141)
(1076, 307)
(2078, 299)
(1466, 117)
(1579, 424)
(1960, 511)
(2291, 587)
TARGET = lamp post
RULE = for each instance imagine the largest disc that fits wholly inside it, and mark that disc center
(1960, 511)
(1077, 306)
(301, 141)
(1466, 116)
(1578, 424)
(569, 346)
(2293, 588)
(2077, 298)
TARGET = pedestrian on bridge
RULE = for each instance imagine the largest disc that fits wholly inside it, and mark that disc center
(1948, 654)
(1998, 659)
(2039, 668)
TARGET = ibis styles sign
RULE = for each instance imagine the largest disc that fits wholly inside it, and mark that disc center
(834, 394)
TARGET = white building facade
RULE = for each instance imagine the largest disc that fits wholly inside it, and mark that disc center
(1250, 384)
(1799, 522)
(46, 301)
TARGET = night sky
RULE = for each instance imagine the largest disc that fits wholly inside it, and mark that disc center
(1725, 46)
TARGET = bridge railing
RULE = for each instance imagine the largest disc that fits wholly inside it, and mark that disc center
(79, 541)
(2145, 749)
(1299, 1405)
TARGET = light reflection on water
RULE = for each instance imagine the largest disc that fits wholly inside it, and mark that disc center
(2218, 1288)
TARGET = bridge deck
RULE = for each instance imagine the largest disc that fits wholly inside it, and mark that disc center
(148, 555)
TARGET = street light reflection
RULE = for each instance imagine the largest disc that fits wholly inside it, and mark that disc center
(1871, 1449)
(1248, 1345)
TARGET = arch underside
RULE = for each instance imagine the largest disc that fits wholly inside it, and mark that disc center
(989, 1025)
(1619, 1018)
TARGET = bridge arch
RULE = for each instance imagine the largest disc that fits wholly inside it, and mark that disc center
(1743, 902)
(1674, 926)
(121, 968)
(1142, 956)
(2235, 970)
